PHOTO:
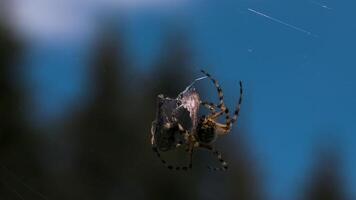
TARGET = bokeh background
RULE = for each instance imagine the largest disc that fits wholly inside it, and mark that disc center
(79, 80)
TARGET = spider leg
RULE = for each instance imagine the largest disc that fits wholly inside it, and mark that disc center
(218, 114)
(171, 167)
(153, 130)
(224, 164)
(211, 106)
(225, 128)
(224, 109)
(158, 154)
(221, 128)
(229, 123)
(191, 157)
(238, 107)
(220, 92)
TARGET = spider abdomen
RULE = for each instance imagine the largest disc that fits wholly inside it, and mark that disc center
(206, 133)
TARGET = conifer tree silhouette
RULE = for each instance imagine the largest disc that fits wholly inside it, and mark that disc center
(101, 129)
(17, 141)
(326, 181)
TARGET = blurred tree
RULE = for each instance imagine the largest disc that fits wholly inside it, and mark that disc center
(101, 132)
(245, 180)
(326, 181)
(10, 49)
(173, 70)
(18, 152)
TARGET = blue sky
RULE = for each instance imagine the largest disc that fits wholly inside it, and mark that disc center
(299, 88)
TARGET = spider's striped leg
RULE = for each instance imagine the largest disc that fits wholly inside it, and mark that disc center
(225, 128)
(153, 130)
(158, 154)
(224, 109)
(238, 107)
(220, 92)
(229, 123)
(224, 164)
(222, 129)
(211, 106)
(190, 165)
(171, 167)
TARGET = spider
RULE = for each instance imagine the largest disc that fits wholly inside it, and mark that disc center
(204, 132)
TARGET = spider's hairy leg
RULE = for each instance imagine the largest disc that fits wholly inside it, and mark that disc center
(223, 163)
(236, 113)
(211, 106)
(191, 151)
(220, 92)
(183, 132)
(221, 105)
(225, 128)
(222, 129)
(171, 167)
(238, 107)
(153, 130)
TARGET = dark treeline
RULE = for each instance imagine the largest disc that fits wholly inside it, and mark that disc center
(102, 150)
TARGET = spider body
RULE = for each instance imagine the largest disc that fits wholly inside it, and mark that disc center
(168, 132)
(206, 131)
